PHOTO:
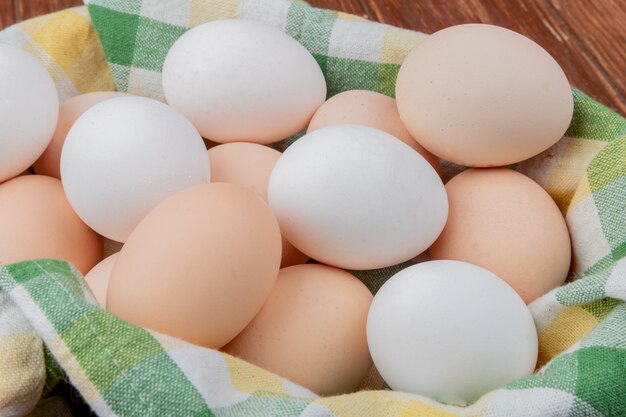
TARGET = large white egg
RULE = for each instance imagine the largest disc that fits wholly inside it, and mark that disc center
(243, 81)
(451, 331)
(124, 156)
(356, 197)
(29, 107)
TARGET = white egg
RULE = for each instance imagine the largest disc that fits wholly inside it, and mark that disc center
(451, 331)
(124, 156)
(356, 197)
(243, 81)
(29, 107)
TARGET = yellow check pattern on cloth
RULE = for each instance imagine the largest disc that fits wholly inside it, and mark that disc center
(123, 370)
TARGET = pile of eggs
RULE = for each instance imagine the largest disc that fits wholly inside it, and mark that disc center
(247, 250)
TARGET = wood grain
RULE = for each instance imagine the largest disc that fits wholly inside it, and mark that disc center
(587, 38)
(347, 6)
(7, 13)
(31, 8)
(606, 44)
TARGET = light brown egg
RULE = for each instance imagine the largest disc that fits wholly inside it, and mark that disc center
(98, 279)
(37, 221)
(483, 96)
(199, 266)
(368, 108)
(311, 330)
(250, 165)
(69, 111)
(504, 222)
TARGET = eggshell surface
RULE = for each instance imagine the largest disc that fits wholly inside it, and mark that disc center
(28, 110)
(311, 330)
(124, 156)
(243, 81)
(250, 165)
(49, 163)
(357, 198)
(450, 331)
(484, 96)
(37, 221)
(199, 266)
(98, 279)
(367, 108)
(506, 223)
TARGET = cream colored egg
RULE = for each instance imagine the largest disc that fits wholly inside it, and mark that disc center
(199, 266)
(484, 96)
(250, 165)
(506, 223)
(367, 108)
(98, 279)
(311, 330)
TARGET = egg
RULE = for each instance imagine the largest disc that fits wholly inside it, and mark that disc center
(37, 221)
(69, 110)
(450, 331)
(311, 330)
(199, 266)
(355, 197)
(124, 156)
(483, 96)
(243, 81)
(28, 110)
(98, 279)
(367, 108)
(506, 223)
(250, 165)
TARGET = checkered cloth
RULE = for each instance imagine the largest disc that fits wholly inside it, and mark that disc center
(124, 370)
(353, 53)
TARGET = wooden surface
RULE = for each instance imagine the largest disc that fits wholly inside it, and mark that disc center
(587, 37)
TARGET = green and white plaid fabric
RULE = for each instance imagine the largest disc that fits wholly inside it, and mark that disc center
(123, 370)
(353, 53)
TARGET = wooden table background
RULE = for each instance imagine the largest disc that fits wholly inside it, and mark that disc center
(587, 37)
